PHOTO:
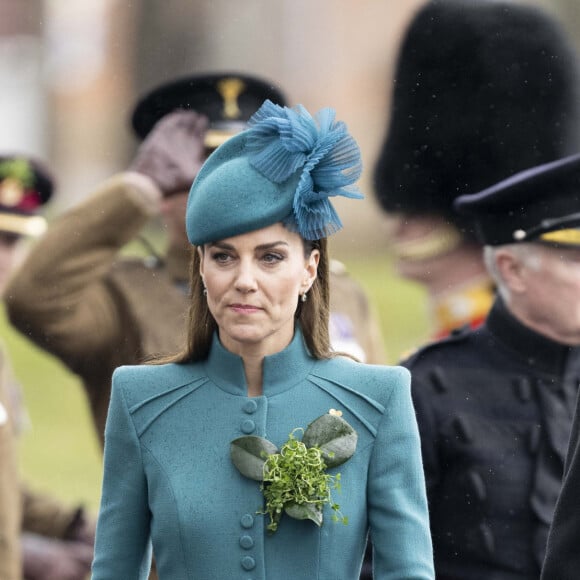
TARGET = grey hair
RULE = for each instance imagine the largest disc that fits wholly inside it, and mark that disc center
(525, 253)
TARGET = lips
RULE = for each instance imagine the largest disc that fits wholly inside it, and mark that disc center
(245, 308)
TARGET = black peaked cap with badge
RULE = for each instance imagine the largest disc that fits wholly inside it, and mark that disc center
(25, 185)
(228, 100)
(541, 204)
(482, 90)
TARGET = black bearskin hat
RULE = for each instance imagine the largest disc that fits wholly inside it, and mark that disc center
(483, 89)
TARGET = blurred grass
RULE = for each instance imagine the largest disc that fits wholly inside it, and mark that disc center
(60, 454)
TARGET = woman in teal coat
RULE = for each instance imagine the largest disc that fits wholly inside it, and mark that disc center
(257, 452)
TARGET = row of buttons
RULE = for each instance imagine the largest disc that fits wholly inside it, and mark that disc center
(247, 542)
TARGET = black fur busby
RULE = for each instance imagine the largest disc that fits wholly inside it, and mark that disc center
(483, 89)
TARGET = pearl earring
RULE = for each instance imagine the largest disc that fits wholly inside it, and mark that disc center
(303, 297)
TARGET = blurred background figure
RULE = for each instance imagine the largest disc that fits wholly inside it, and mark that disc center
(495, 405)
(481, 91)
(54, 541)
(78, 299)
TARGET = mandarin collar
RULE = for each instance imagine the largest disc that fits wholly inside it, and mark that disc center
(281, 371)
(532, 349)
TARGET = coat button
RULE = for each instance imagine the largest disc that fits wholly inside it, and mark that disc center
(248, 426)
(247, 521)
(247, 542)
(248, 563)
(250, 407)
(486, 538)
(523, 388)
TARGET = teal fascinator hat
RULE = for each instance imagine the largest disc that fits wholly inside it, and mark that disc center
(284, 168)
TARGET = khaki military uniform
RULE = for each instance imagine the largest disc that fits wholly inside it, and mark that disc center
(10, 508)
(77, 298)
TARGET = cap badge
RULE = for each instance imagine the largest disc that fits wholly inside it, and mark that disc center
(230, 89)
(15, 175)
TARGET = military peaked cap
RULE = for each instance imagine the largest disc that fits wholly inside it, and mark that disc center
(541, 204)
(228, 100)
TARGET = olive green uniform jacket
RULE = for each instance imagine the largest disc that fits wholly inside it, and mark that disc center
(78, 298)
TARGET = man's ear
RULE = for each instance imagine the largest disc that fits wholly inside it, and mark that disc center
(512, 270)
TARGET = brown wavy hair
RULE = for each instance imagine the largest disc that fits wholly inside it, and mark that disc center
(312, 315)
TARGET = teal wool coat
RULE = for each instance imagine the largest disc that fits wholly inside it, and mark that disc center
(169, 480)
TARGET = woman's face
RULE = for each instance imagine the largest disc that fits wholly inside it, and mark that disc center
(254, 282)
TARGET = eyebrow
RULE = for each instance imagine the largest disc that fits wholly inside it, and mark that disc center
(268, 246)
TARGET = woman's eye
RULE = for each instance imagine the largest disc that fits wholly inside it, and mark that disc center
(220, 257)
(272, 258)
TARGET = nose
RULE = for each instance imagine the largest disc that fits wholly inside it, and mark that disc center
(245, 278)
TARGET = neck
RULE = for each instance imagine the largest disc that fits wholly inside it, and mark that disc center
(254, 374)
(541, 325)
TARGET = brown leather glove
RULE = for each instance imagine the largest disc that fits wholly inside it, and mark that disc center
(173, 152)
(50, 559)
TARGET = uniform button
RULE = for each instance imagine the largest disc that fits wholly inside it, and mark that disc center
(463, 429)
(247, 521)
(250, 407)
(248, 563)
(486, 538)
(523, 387)
(247, 542)
(248, 426)
(438, 380)
(477, 485)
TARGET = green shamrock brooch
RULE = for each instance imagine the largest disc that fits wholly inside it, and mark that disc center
(294, 478)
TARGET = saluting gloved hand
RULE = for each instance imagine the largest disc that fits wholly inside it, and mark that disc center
(81, 528)
(50, 559)
(173, 152)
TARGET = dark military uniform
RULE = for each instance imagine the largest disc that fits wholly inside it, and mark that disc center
(563, 556)
(494, 408)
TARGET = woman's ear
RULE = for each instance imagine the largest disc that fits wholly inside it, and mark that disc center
(311, 269)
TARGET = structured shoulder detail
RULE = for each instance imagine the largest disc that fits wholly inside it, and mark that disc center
(150, 390)
(363, 389)
(459, 336)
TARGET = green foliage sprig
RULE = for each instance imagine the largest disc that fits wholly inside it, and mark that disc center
(294, 478)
